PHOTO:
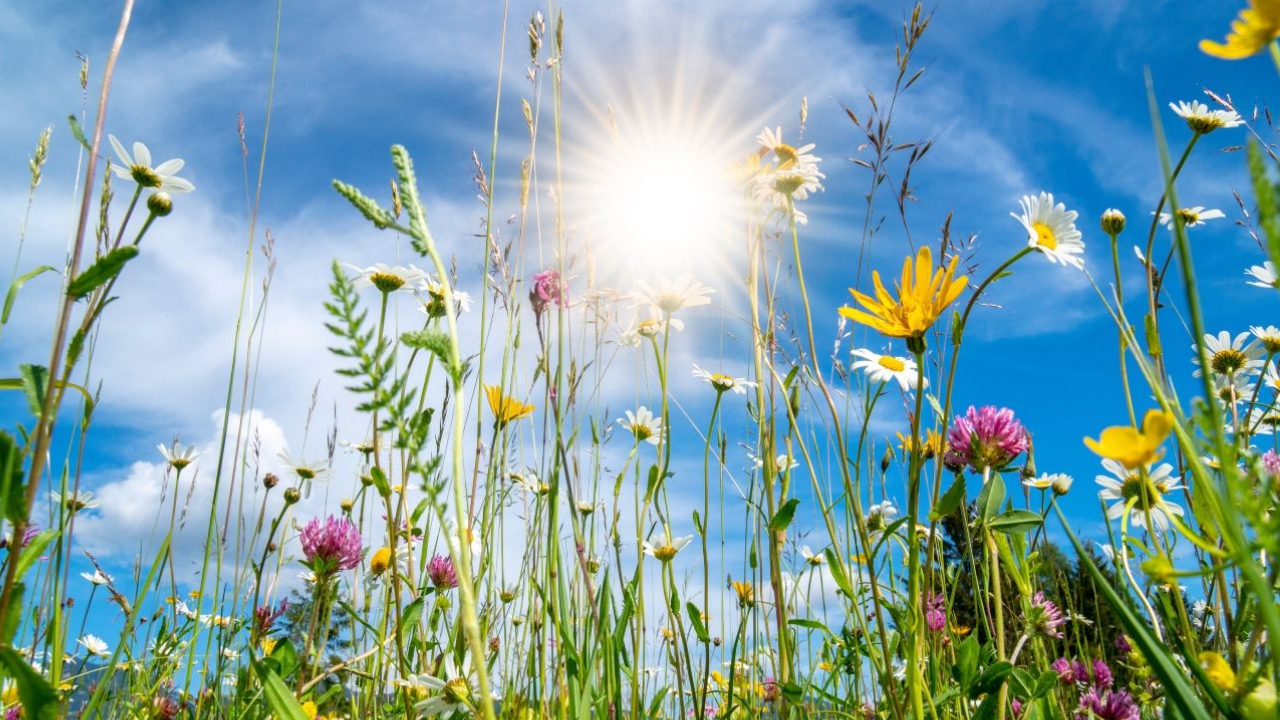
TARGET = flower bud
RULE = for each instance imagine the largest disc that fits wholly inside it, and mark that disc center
(160, 204)
(270, 481)
(292, 495)
(347, 504)
(1112, 222)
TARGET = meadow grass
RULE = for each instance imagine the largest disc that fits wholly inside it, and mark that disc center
(509, 544)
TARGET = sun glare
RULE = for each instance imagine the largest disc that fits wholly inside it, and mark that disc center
(661, 201)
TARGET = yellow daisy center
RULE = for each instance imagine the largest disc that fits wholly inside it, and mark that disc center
(1225, 362)
(721, 382)
(891, 363)
(665, 553)
(1045, 237)
(1189, 217)
(386, 282)
(786, 155)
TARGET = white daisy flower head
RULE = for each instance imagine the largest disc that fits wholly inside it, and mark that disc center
(137, 167)
(781, 463)
(95, 645)
(1263, 420)
(177, 457)
(1234, 388)
(1138, 494)
(786, 156)
(1230, 356)
(307, 471)
(1051, 229)
(671, 296)
(1271, 379)
(666, 547)
(721, 382)
(387, 278)
(97, 577)
(1191, 217)
(812, 558)
(1264, 275)
(1059, 483)
(457, 688)
(1268, 336)
(643, 425)
(1202, 120)
(886, 368)
(76, 501)
(433, 297)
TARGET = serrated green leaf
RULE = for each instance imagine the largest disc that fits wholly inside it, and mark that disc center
(38, 698)
(101, 271)
(782, 519)
(950, 500)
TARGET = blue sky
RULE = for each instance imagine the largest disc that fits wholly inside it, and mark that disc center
(1022, 97)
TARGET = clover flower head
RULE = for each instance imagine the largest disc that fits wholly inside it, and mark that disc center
(985, 438)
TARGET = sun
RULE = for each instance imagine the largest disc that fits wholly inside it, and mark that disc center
(657, 197)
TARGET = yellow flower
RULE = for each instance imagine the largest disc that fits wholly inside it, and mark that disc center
(10, 695)
(380, 561)
(505, 409)
(933, 445)
(1256, 26)
(746, 593)
(309, 709)
(1219, 672)
(268, 645)
(923, 296)
(1132, 447)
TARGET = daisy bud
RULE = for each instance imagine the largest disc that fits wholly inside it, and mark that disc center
(886, 459)
(347, 504)
(160, 204)
(1112, 222)
(292, 495)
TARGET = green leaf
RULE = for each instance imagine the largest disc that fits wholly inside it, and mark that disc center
(810, 624)
(409, 618)
(39, 701)
(35, 383)
(101, 271)
(380, 481)
(34, 550)
(991, 679)
(432, 340)
(782, 519)
(695, 619)
(837, 572)
(950, 500)
(965, 671)
(12, 498)
(279, 697)
(990, 499)
(285, 656)
(77, 132)
(11, 296)
(1015, 522)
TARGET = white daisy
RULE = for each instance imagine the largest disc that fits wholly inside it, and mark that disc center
(721, 382)
(1051, 229)
(1059, 483)
(97, 577)
(76, 501)
(137, 167)
(1191, 217)
(1263, 420)
(1272, 379)
(883, 368)
(1203, 120)
(1230, 356)
(306, 471)
(666, 548)
(782, 463)
(671, 296)
(1269, 337)
(176, 456)
(95, 645)
(387, 278)
(791, 176)
(1232, 389)
(879, 516)
(1264, 275)
(643, 425)
(811, 558)
(433, 297)
(458, 690)
(1130, 494)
